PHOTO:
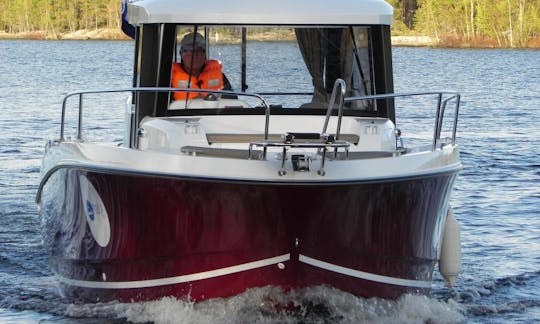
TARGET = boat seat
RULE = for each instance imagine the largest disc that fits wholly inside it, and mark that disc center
(248, 138)
(222, 152)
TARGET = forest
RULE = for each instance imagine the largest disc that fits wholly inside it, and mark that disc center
(471, 23)
(453, 23)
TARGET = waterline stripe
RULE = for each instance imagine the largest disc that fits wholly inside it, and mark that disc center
(175, 280)
(364, 275)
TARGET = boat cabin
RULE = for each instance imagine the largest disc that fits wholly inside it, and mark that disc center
(281, 54)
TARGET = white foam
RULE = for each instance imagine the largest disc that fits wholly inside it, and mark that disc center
(315, 304)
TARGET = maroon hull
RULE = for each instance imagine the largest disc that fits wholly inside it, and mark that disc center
(185, 230)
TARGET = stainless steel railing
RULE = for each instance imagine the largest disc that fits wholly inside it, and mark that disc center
(137, 90)
(339, 90)
(339, 85)
(443, 98)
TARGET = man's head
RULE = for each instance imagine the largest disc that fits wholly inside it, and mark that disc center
(193, 41)
(193, 52)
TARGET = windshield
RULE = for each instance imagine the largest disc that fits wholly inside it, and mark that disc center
(290, 67)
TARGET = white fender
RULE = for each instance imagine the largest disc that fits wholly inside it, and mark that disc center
(450, 260)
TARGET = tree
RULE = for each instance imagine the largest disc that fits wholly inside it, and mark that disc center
(408, 11)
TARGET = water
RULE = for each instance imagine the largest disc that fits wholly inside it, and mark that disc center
(496, 197)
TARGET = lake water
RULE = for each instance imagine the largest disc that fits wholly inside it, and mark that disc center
(496, 198)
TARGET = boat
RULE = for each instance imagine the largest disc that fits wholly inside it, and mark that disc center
(298, 176)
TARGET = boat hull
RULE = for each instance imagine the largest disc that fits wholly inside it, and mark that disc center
(115, 236)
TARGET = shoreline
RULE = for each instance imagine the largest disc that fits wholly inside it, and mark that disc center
(397, 41)
(83, 34)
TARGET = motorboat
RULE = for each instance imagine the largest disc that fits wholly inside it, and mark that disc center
(296, 176)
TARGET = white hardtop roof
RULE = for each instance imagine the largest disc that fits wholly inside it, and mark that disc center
(253, 12)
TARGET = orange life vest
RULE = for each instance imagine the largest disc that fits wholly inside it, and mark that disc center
(211, 78)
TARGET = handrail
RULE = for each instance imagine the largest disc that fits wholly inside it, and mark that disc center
(442, 102)
(343, 87)
(444, 97)
(146, 89)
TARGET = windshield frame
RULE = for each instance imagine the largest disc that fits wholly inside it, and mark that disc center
(155, 52)
(301, 37)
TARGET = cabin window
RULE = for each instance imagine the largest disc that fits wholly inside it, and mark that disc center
(292, 67)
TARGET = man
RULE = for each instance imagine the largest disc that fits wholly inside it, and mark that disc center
(194, 70)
